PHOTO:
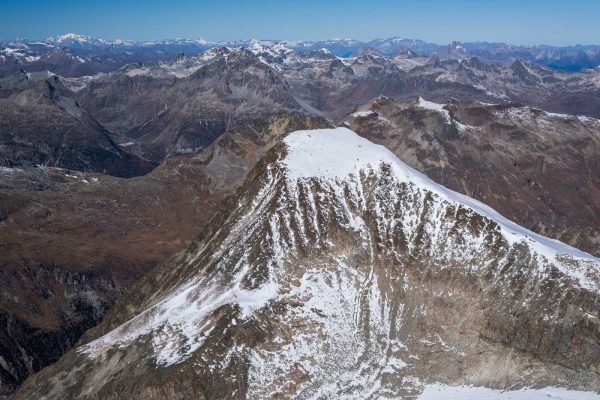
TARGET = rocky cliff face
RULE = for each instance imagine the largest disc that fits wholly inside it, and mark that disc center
(44, 310)
(339, 271)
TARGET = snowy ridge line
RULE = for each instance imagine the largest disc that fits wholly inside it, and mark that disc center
(439, 108)
(180, 322)
(527, 112)
(335, 154)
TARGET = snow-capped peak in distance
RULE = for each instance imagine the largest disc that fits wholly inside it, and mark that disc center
(269, 48)
(75, 40)
(347, 41)
(565, 58)
(71, 37)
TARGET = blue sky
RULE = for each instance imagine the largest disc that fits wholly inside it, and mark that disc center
(514, 21)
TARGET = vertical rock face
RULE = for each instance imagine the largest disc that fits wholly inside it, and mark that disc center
(44, 310)
(339, 271)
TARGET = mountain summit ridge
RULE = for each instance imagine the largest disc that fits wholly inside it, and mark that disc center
(333, 156)
(310, 157)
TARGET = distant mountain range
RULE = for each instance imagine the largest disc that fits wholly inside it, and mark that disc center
(569, 58)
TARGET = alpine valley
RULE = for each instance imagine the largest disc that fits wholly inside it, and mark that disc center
(187, 219)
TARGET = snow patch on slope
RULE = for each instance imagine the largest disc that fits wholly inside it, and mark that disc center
(439, 108)
(267, 48)
(363, 114)
(328, 320)
(429, 105)
(179, 324)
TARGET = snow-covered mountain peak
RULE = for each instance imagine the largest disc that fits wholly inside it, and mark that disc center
(269, 49)
(71, 37)
(337, 272)
(335, 154)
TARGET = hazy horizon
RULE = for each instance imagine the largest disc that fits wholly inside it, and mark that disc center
(524, 22)
(211, 40)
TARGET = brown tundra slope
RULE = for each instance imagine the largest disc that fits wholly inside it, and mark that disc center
(337, 271)
(541, 170)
